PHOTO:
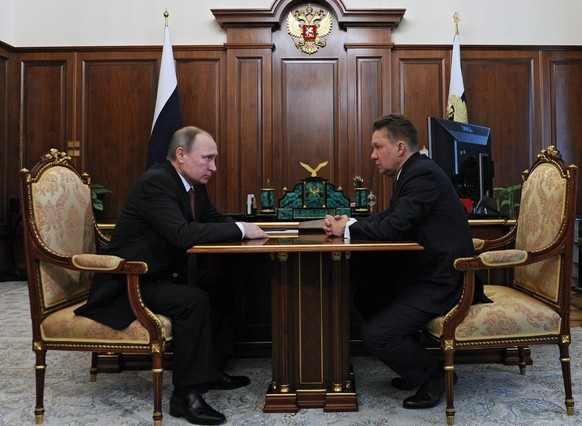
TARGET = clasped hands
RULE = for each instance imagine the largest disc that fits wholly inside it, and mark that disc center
(334, 226)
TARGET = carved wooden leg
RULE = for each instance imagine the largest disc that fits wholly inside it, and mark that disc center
(449, 383)
(40, 369)
(566, 373)
(93, 369)
(522, 362)
(157, 371)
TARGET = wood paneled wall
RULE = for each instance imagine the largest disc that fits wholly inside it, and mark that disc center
(270, 106)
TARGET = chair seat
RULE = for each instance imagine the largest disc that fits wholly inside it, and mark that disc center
(512, 314)
(64, 325)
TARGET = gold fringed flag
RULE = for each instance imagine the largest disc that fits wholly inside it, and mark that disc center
(456, 105)
(167, 114)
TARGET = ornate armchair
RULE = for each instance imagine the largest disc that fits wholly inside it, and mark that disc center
(534, 308)
(61, 240)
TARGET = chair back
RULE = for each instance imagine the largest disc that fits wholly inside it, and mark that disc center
(545, 223)
(58, 218)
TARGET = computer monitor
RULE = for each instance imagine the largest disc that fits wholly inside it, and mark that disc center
(464, 153)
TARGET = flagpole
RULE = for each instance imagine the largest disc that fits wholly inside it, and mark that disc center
(166, 14)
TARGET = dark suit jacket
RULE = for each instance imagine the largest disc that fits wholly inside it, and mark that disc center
(424, 208)
(155, 226)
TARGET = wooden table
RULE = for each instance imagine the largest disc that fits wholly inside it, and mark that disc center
(310, 317)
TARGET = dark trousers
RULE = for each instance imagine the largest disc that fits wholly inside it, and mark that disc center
(218, 287)
(390, 332)
(392, 336)
(194, 360)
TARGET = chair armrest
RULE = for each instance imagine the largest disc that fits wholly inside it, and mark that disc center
(107, 263)
(96, 262)
(498, 259)
(503, 258)
(132, 270)
(481, 245)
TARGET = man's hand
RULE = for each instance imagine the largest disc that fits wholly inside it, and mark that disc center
(253, 232)
(334, 226)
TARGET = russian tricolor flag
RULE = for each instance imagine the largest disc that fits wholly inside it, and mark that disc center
(167, 114)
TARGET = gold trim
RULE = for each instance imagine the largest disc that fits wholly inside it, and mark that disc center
(277, 225)
(324, 245)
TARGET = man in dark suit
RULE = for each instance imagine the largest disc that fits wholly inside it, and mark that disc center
(398, 293)
(157, 225)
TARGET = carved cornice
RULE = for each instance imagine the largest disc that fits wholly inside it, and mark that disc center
(232, 18)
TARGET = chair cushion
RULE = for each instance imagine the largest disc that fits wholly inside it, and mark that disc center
(512, 314)
(64, 325)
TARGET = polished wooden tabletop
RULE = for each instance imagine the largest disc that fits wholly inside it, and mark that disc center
(289, 241)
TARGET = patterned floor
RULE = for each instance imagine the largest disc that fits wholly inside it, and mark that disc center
(484, 395)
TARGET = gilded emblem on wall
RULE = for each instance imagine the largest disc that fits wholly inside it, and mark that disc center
(309, 28)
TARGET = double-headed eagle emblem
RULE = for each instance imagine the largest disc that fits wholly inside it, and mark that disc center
(309, 28)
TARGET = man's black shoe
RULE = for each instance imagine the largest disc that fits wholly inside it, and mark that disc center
(427, 396)
(402, 384)
(195, 410)
(226, 381)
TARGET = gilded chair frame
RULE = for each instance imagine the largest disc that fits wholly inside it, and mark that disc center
(49, 260)
(503, 253)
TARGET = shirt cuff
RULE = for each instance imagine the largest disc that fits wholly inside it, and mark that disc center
(351, 221)
(242, 229)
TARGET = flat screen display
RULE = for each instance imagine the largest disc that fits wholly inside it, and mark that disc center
(464, 153)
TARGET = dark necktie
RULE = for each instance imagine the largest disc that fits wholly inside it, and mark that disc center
(191, 197)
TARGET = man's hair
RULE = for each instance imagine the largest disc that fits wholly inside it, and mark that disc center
(185, 138)
(398, 127)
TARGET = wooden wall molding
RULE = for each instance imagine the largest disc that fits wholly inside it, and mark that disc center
(309, 108)
(270, 106)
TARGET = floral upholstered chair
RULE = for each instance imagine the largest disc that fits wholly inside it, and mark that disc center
(61, 240)
(535, 307)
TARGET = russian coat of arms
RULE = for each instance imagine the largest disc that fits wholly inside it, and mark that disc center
(309, 28)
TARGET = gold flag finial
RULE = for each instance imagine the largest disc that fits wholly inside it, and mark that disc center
(166, 14)
(456, 20)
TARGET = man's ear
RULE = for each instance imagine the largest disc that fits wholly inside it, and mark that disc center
(180, 153)
(401, 147)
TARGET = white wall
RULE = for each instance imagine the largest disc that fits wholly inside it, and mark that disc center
(7, 15)
(29, 23)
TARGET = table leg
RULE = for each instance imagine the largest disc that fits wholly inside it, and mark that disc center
(311, 334)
